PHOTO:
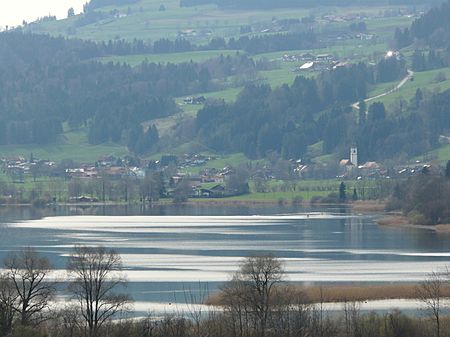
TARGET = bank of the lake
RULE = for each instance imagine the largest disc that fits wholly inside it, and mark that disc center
(360, 206)
(338, 293)
(402, 221)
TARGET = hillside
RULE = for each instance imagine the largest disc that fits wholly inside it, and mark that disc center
(216, 52)
(151, 20)
(268, 4)
(47, 82)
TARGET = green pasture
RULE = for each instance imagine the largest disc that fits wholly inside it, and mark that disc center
(143, 20)
(71, 145)
(426, 81)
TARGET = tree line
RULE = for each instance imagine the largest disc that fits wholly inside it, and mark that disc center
(306, 39)
(425, 198)
(256, 44)
(429, 60)
(433, 26)
(28, 293)
(430, 36)
(256, 302)
(431, 29)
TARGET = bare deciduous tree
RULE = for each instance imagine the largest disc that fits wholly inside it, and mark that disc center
(253, 287)
(27, 271)
(8, 297)
(430, 293)
(96, 276)
(233, 298)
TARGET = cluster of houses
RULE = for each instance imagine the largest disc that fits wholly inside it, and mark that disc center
(209, 182)
(107, 167)
(413, 169)
(350, 168)
(18, 167)
(355, 16)
(179, 162)
(308, 57)
(191, 33)
(113, 172)
(310, 62)
(115, 168)
(195, 100)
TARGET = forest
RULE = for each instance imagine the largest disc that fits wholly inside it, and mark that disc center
(46, 82)
(306, 39)
(248, 124)
(288, 119)
(424, 199)
(431, 29)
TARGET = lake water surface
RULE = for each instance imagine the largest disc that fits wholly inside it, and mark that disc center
(170, 253)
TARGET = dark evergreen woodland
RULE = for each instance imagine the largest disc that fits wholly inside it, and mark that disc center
(45, 82)
(288, 119)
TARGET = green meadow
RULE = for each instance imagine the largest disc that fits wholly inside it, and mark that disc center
(71, 145)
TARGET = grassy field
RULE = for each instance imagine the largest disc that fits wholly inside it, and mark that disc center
(144, 21)
(426, 81)
(384, 27)
(281, 197)
(381, 88)
(284, 75)
(148, 23)
(188, 111)
(441, 154)
(292, 191)
(71, 145)
(228, 95)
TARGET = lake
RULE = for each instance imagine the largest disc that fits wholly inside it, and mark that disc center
(174, 255)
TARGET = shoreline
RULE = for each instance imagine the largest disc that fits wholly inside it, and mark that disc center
(402, 221)
(369, 206)
(345, 293)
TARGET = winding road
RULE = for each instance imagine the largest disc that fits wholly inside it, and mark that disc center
(408, 77)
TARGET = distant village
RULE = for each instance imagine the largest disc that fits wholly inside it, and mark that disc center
(207, 182)
(309, 62)
(278, 25)
(20, 169)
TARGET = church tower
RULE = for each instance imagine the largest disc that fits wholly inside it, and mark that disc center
(354, 156)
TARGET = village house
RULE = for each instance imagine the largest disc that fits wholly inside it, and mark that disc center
(195, 100)
(217, 191)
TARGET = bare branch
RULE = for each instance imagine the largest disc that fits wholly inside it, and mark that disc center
(97, 275)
